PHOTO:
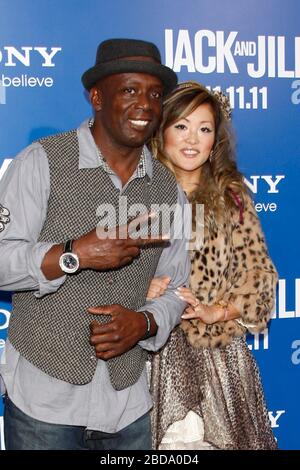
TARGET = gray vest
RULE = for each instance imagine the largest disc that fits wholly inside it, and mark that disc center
(53, 332)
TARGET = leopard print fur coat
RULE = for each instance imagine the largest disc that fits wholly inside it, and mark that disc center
(232, 266)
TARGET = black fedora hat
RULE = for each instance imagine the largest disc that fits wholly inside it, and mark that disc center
(128, 56)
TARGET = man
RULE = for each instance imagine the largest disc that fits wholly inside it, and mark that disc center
(74, 365)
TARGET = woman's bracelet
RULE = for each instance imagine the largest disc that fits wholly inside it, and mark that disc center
(247, 326)
(224, 310)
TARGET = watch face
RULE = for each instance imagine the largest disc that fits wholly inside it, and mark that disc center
(69, 262)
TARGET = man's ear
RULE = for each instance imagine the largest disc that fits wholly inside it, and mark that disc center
(95, 98)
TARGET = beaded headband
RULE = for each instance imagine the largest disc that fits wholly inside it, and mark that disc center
(220, 96)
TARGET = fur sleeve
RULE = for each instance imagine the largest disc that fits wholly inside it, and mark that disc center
(254, 277)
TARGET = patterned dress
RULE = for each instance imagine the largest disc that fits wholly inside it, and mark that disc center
(205, 383)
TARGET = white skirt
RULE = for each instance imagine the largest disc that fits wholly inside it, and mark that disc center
(186, 434)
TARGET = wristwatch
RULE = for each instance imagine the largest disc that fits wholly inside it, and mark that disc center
(69, 262)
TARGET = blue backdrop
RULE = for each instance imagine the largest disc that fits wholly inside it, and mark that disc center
(251, 48)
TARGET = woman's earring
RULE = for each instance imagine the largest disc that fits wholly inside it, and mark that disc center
(211, 156)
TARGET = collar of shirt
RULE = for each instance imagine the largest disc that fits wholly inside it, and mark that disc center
(91, 157)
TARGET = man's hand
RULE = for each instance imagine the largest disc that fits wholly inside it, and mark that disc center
(122, 333)
(102, 250)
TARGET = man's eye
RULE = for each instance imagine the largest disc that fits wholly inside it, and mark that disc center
(157, 95)
(129, 91)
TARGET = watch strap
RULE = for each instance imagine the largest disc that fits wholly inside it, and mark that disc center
(68, 246)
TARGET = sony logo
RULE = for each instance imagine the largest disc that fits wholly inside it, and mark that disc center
(269, 180)
(274, 417)
(11, 56)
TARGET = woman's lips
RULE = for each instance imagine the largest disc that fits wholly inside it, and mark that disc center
(190, 153)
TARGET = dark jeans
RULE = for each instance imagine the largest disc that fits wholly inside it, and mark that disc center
(25, 433)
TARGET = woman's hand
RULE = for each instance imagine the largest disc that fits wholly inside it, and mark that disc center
(158, 287)
(207, 313)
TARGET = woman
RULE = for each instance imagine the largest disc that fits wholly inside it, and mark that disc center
(205, 382)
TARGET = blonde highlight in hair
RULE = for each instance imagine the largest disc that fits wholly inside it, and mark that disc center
(219, 175)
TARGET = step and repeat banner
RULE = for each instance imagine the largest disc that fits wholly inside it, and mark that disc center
(248, 48)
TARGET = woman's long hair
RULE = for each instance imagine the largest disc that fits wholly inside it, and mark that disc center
(221, 184)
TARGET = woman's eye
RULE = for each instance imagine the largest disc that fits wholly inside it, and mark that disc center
(206, 129)
(181, 127)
